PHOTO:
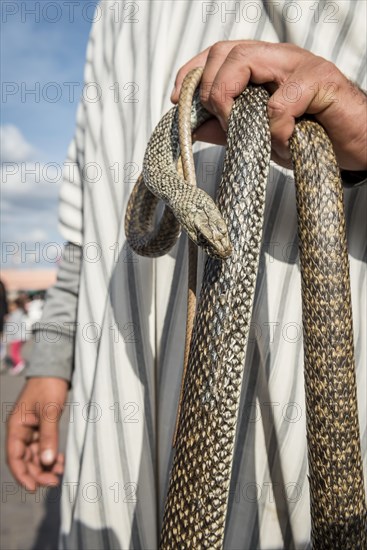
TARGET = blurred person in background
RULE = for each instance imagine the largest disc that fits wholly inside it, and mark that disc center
(3, 313)
(3, 306)
(119, 320)
(16, 332)
(35, 307)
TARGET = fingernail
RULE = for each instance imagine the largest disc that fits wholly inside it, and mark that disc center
(173, 92)
(47, 456)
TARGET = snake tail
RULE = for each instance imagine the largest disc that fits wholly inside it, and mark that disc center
(338, 507)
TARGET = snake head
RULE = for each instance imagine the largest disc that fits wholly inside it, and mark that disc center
(206, 227)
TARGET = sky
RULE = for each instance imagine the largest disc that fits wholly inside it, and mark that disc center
(43, 45)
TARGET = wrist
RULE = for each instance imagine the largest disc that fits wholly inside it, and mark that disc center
(47, 389)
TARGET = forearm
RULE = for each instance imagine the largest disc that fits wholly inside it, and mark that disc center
(54, 336)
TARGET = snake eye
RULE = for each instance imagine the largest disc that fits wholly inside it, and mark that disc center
(220, 251)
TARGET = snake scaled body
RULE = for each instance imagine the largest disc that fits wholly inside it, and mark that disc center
(196, 504)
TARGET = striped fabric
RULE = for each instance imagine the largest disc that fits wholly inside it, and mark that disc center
(131, 313)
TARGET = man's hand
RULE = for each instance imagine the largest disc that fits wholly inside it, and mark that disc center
(33, 429)
(299, 81)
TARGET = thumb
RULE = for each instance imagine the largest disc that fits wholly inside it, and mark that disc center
(49, 436)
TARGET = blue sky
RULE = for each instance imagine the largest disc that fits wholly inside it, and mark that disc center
(43, 46)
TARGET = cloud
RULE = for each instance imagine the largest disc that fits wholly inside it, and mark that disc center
(30, 189)
(42, 49)
(44, 58)
(38, 235)
(14, 146)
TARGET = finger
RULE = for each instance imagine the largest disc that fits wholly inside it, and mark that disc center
(216, 57)
(58, 469)
(41, 476)
(258, 62)
(61, 458)
(18, 465)
(35, 453)
(48, 442)
(22, 475)
(197, 61)
(18, 437)
(218, 53)
(296, 96)
(28, 455)
(230, 80)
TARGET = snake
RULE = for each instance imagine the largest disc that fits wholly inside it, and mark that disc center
(229, 229)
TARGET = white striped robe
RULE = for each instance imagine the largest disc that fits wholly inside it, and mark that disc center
(131, 310)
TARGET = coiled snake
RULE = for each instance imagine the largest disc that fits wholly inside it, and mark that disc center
(230, 231)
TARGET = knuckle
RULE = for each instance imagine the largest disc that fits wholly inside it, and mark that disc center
(327, 65)
(270, 46)
(326, 69)
(291, 48)
(238, 53)
(330, 79)
(218, 48)
(276, 106)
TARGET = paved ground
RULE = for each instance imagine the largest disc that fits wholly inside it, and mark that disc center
(28, 521)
